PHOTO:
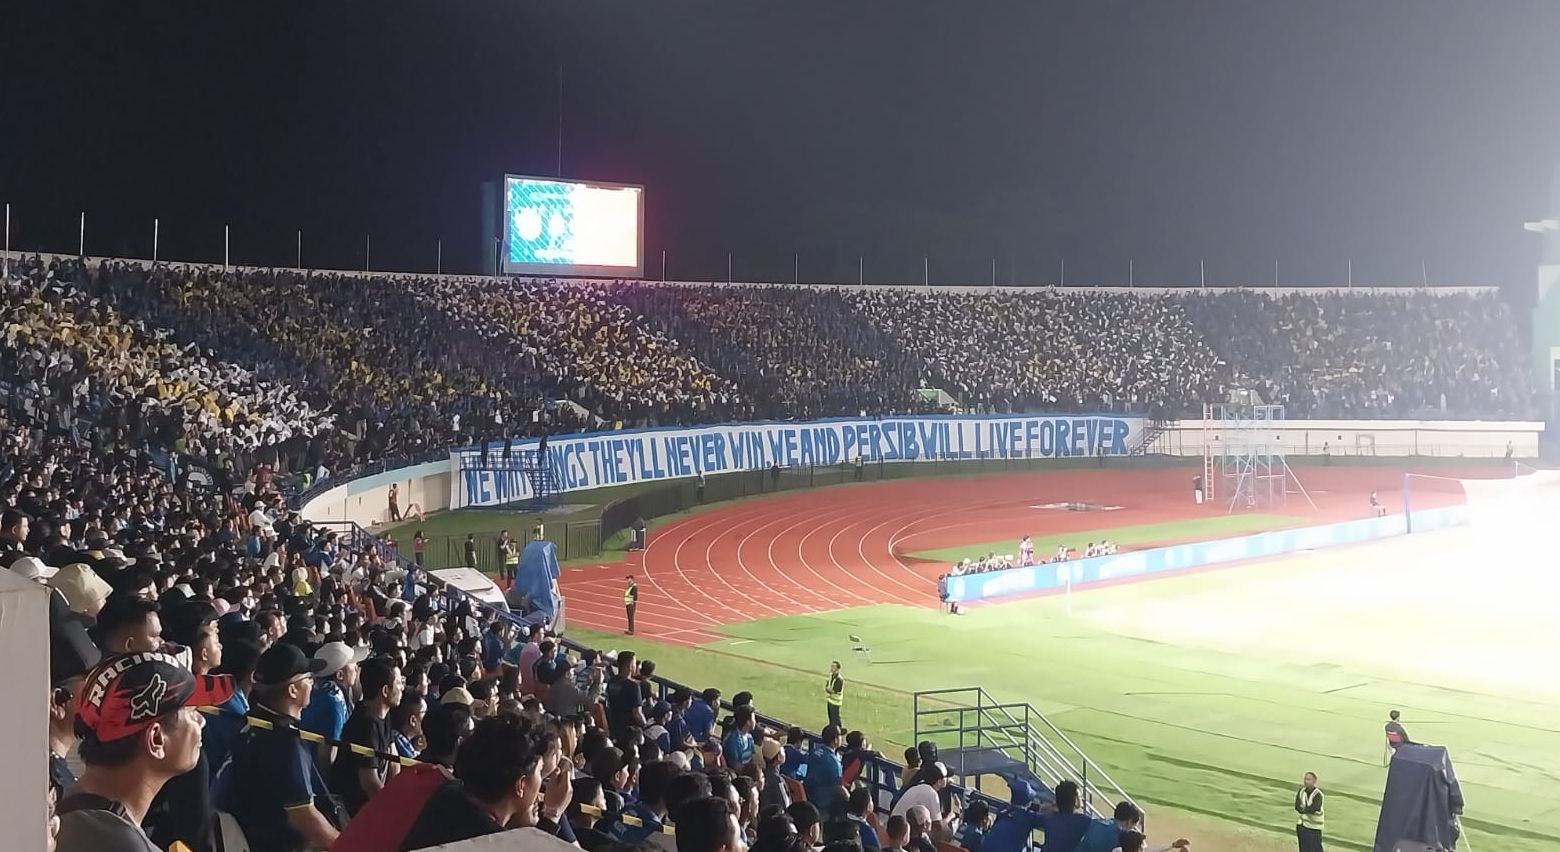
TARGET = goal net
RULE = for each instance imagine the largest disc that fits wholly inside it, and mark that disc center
(1516, 516)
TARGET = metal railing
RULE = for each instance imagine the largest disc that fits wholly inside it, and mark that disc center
(995, 738)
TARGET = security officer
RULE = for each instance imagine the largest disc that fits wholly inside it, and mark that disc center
(1308, 804)
(630, 600)
(834, 693)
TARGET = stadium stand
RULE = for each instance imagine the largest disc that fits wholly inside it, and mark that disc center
(118, 371)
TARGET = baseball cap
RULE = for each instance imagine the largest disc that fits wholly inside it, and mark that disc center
(126, 694)
(771, 749)
(283, 662)
(458, 695)
(338, 655)
(83, 589)
(1023, 792)
(936, 771)
(32, 568)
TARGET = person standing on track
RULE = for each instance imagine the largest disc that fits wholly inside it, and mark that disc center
(630, 601)
(1308, 804)
(834, 693)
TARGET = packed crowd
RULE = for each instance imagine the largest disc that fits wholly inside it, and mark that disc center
(1347, 355)
(797, 352)
(356, 708)
(1049, 352)
(324, 372)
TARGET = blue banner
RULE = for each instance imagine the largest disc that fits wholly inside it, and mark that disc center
(1099, 569)
(595, 460)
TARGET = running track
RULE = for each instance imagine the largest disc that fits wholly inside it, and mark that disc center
(819, 550)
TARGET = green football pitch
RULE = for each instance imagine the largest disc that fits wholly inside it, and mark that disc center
(1207, 695)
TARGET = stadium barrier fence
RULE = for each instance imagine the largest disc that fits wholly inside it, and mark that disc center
(1050, 576)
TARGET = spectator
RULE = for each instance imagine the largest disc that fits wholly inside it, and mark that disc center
(271, 785)
(807, 819)
(356, 777)
(701, 715)
(897, 833)
(585, 813)
(182, 809)
(623, 699)
(708, 825)
(774, 792)
(445, 728)
(863, 818)
(738, 743)
(920, 820)
(927, 792)
(497, 786)
(129, 755)
(649, 811)
(327, 710)
(824, 770)
(972, 826)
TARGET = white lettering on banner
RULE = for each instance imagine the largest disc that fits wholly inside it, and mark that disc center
(595, 460)
(1124, 566)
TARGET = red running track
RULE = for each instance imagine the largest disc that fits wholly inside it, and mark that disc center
(813, 551)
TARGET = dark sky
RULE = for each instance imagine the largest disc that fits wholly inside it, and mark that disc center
(1161, 132)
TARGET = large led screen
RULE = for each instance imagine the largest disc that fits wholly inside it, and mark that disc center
(565, 227)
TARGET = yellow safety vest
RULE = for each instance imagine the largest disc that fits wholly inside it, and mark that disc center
(511, 554)
(1305, 800)
(628, 595)
(834, 690)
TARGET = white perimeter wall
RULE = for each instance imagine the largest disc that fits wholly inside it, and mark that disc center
(428, 485)
(366, 501)
(1434, 438)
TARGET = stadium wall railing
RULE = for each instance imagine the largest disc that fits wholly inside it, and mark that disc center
(1474, 439)
(1078, 573)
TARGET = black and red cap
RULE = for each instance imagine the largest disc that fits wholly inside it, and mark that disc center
(125, 694)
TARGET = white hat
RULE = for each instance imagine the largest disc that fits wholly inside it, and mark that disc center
(337, 656)
(32, 568)
(83, 589)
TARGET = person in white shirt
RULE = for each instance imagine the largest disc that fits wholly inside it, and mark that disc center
(927, 794)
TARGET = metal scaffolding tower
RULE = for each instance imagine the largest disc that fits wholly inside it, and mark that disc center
(1243, 462)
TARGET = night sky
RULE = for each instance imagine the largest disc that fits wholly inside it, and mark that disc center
(1100, 132)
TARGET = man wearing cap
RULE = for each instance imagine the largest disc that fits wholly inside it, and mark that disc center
(928, 793)
(327, 709)
(32, 568)
(139, 727)
(83, 589)
(270, 784)
(182, 811)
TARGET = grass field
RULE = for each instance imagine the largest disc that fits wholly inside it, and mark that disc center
(1169, 532)
(1208, 695)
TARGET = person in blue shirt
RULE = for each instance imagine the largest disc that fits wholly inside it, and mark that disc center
(738, 744)
(972, 828)
(1064, 826)
(650, 808)
(327, 710)
(701, 716)
(676, 726)
(494, 643)
(860, 815)
(795, 765)
(824, 770)
(1012, 830)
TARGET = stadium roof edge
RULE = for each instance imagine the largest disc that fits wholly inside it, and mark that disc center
(1376, 289)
